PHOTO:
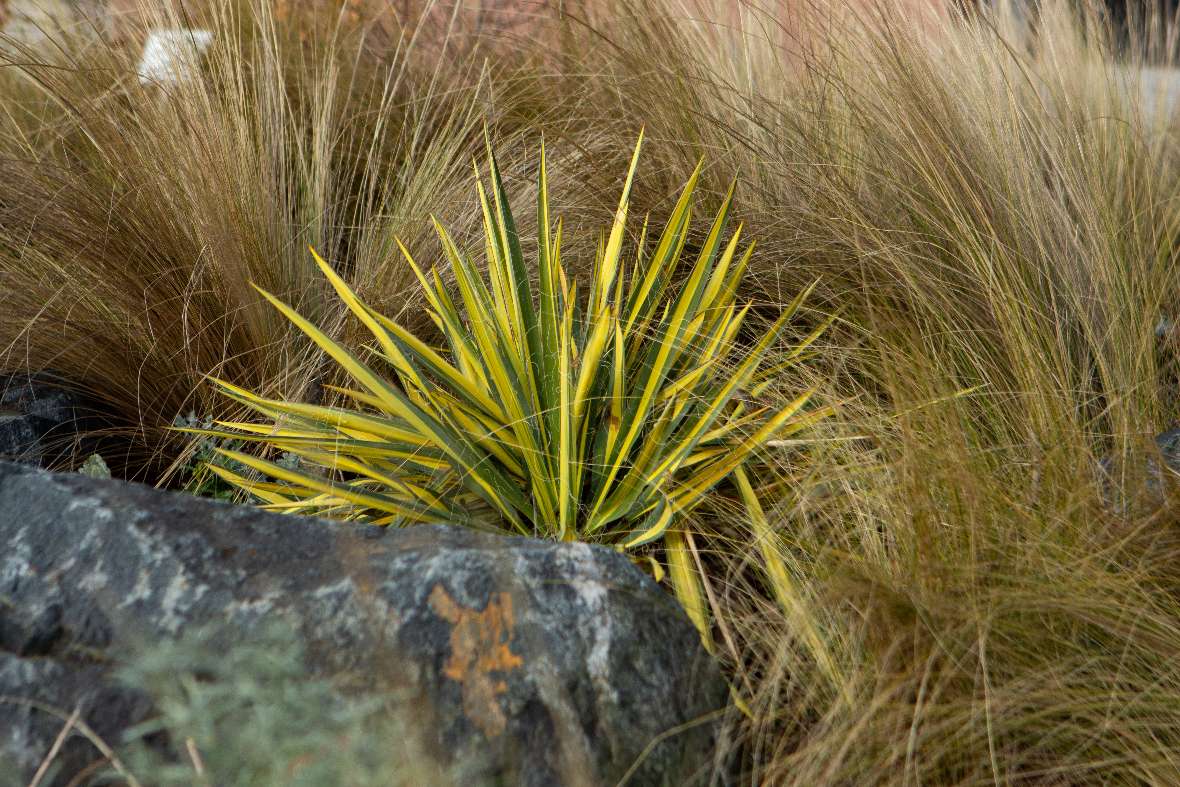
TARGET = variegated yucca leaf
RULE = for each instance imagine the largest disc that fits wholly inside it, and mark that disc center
(605, 417)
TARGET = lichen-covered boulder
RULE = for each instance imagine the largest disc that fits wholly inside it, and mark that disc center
(521, 661)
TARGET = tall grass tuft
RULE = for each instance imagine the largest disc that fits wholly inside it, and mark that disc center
(134, 215)
(954, 594)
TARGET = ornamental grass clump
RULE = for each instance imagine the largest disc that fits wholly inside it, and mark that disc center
(600, 418)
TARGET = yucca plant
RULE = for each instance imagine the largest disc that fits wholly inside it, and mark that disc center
(599, 418)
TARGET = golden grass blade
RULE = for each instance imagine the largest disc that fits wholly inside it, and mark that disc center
(265, 492)
(686, 583)
(646, 297)
(783, 586)
(406, 509)
(608, 271)
(697, 485)
(434, 363)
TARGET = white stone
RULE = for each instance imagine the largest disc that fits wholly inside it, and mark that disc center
(171, 56)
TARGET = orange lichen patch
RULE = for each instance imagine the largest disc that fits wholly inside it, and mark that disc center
(480, 645)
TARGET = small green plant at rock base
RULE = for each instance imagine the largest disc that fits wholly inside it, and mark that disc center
(95, 467)
(601, 418)
(198, 479)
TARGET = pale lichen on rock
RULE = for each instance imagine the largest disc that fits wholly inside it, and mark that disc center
(520, 661)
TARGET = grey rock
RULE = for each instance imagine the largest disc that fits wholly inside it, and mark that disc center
(522, 661)
(1166, 467)
(40, 418)
(1160, 470)
(1169, 446)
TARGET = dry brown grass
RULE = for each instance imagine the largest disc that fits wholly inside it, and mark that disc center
(134, 218)
(991, 205)
(989, 202)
